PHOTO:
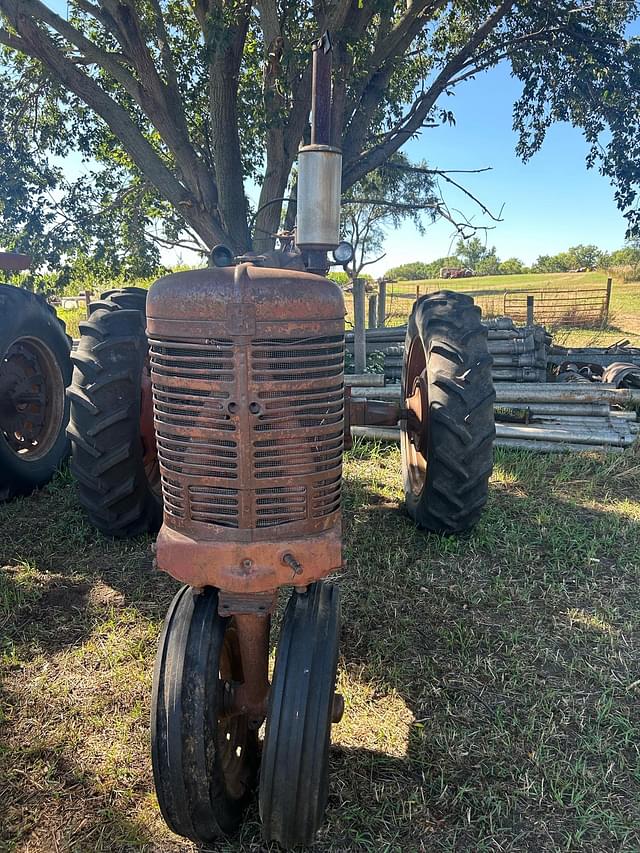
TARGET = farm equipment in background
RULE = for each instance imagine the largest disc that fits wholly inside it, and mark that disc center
(229, 415)
(456, 272)
(35, 369)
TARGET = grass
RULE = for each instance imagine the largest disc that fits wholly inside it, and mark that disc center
(492, 683)
(72, 317)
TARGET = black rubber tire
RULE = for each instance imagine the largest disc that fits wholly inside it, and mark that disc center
(187, 741)
(104, 427)
(28, 315)
(294, 776)
(459, 454)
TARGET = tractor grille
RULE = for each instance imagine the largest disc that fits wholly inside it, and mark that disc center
(274, 460)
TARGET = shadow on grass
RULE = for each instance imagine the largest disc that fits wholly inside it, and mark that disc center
(52, 799)
(63, 577)
(486, 678)
(512, 650)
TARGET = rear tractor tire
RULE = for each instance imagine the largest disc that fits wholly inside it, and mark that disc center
(35, 369)
(114, 457)
(447, 438)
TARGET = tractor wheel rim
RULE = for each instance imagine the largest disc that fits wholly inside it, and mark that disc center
(412, 442)
(32, 399)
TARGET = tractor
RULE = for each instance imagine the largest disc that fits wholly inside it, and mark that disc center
(35, 369)
(214, 409)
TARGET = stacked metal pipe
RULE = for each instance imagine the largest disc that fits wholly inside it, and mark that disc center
(561, 416)
(519, 352)
(550, 417)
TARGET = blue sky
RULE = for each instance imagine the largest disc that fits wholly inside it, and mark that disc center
(550, 203)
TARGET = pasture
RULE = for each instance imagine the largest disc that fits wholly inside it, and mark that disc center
(624, 315)
(491, 683)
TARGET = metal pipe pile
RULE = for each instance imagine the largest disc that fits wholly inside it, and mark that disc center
(519, 352)
(550, 417)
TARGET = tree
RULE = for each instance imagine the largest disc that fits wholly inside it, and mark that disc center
(551, 263)
(473, 251)
(413, 271)
(512, 266)
(584, 256)
(180, 105)
(489, 264)
(629, 256)
(53, 220)
(383, 199)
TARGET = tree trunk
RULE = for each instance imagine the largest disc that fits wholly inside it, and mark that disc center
(232, 202)
(273, 189)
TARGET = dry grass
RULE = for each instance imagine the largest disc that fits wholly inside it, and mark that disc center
(491, 683)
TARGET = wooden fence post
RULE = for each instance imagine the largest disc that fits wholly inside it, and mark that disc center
(607, 301)
(359, 335)
(530, 310)
(382, 303)
(87, 302)
(373, 310)
(417, 292)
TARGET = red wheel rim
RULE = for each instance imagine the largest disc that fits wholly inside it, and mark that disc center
(415, 429)
(32, 400)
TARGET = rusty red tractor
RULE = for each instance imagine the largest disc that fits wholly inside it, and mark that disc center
(218, 406)
(35, 369)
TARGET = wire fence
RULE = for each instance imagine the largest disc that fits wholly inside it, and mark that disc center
(583, 307)
(589, 307)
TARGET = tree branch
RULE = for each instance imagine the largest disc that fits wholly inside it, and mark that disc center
(165, 241)
(91, 51)
(35, 42)
(421, 108)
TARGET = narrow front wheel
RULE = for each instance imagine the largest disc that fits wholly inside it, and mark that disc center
(294, 777)
(204, 762)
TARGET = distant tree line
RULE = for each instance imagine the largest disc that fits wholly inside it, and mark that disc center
(483, 260)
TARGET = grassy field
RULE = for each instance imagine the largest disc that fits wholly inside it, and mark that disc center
(624, 316)
(492, 683)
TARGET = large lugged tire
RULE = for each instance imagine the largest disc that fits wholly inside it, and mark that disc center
(447, 450)
(35, 369)
(113, 449)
